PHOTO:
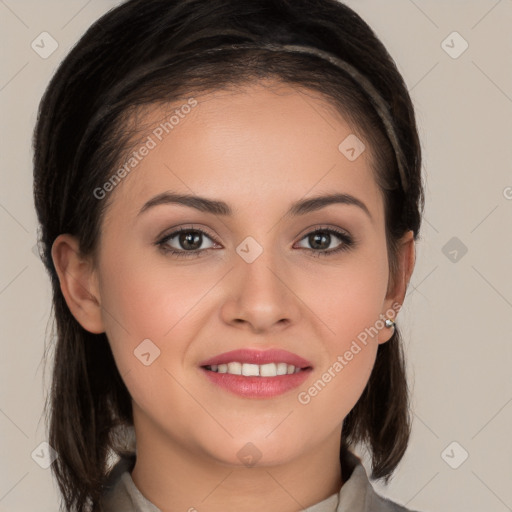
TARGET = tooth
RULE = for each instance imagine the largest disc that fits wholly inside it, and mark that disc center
(282, 368)
(235, 368)
(250, 369)
(268, 370)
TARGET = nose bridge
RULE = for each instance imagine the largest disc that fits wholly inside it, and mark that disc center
(259, 276)
(258, 267)
(260, 293)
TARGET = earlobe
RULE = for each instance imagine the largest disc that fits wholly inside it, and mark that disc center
(396, 296)
(78, 283)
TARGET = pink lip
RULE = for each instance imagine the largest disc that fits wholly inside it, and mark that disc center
(254, 356)
(257, 387)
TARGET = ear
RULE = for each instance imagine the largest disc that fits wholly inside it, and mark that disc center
(78, 282)
(395, 296)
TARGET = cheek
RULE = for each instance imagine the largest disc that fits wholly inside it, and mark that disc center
(150, 318)
(348, 298)
(148, 297)
(147, 300)
(349, 307)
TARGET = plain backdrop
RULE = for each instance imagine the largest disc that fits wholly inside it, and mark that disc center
(456, 318)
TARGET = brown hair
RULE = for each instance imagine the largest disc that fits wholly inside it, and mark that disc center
(148, 52)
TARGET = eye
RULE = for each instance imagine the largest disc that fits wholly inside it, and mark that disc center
(321, 239)
(185, 242)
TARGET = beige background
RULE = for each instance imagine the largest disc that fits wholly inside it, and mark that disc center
(456, 318)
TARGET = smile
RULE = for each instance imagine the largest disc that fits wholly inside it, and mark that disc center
(254, 370)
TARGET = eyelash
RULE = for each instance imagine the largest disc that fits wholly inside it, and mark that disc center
(347, 243)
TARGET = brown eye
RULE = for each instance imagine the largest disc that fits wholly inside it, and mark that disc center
(320, 240)
(186, 242)
(190, 240)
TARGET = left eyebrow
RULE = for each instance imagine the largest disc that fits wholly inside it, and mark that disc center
(221, 208)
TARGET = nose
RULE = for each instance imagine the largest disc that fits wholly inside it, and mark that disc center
(260, 296)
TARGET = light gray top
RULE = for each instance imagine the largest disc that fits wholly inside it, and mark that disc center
(355, 495)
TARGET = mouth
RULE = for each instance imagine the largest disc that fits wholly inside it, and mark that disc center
(255, 373)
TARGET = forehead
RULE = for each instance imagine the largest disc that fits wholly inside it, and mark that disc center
(262, 141)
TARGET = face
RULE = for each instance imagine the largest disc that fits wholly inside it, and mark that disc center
(256, 273)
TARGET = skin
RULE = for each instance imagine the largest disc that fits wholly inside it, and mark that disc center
(259, 149)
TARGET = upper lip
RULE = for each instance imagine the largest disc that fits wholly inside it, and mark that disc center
(255, 356)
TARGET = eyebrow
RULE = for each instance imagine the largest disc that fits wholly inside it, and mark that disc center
(216, 207)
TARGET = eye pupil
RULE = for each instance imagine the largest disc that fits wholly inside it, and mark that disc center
(190, 237)
(317, 238)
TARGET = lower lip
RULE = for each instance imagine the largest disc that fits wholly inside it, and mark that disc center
(257, 387)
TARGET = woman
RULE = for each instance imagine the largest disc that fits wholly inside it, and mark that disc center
(229, 196)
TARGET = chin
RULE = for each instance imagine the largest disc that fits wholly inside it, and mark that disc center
(251, 451)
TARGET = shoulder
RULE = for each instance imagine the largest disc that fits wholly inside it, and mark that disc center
(118, 494)
(358, 494)
(117, 498)
(378, 503)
